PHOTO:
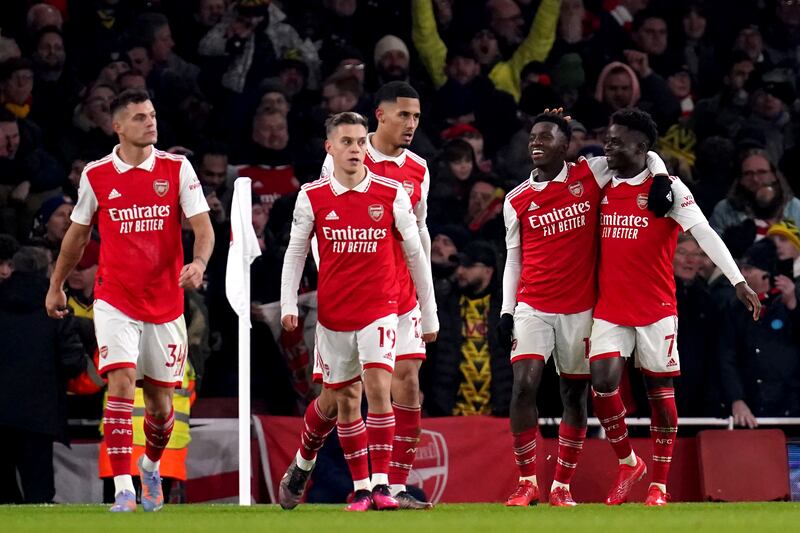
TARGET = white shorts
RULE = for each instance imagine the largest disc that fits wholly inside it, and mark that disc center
(341, 356)
(409, 335)
(655, 346)
(157, 351)
(537, 335)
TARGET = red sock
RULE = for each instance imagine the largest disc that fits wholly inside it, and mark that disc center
(118, 434)
(156, 433)
(380, 432)
(353, 437)
(525, 451)
(404, 446)
(609, 409)
(570, 444)
(663, 430)
(316, 429)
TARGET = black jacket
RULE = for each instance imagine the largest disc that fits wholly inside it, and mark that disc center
(442, 376)
(760, 361)
(37, 355)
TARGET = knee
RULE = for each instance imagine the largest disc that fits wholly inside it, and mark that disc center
(405, 381)
(524, 389)
(348, 400)
(122, 382)
(326, 403)
(603, 383)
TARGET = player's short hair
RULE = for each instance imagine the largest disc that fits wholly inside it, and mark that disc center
(556, 119)
(345, 118)
(637, 120)
(393, 90)
(126, 97)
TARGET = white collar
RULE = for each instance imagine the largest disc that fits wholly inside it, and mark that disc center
(362, 186)
(561, 177)
(638, 179)
(379, 156)
(148, 164)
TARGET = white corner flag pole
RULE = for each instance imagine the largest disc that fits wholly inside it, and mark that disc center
(243, 250)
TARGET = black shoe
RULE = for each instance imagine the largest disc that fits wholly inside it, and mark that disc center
(408, 501)
(293, 485)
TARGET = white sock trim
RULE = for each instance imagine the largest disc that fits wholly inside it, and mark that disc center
(532, 479)
(558, 484)
(380, 479)
(304, 463)
(661, 486)
(123, 482)
(362, 484)
(630, 460)
(397, 489)
(148, 465)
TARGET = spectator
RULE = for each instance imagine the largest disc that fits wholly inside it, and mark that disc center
(504, 16)
(484, 216)
(452, 179)
(207, 14)
(698, 50)
(251, 39)
(53, 353)
(43, 15)
(56, 87)
(650, 34)
(92, 126)
(469, 373)
(391, 59)
(16, 81)
(760, 194)
(698, 385)
(724, 113)
(52, 221)
(760, 361)
(786, 236)
(8, 247)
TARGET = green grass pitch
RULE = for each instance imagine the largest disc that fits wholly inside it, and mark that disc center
(695, 517)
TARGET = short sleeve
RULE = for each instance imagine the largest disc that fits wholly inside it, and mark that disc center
(512, 225)
(87, 204)
(598, 166)
(685, 210)
(192, 200)
(404, 219)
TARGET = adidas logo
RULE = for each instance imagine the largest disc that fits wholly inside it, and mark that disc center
(114, 194)
(604, 201)
(533, 206)
(671, 362)
(332, 216)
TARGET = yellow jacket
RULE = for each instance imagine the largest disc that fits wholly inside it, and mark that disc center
(505, 74)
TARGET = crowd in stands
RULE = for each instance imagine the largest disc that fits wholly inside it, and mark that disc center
(243, 87)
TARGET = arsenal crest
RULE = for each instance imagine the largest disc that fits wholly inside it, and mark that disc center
(375, 212)
(576, 189)
(408, 185)
(160, 187)
(641, 200)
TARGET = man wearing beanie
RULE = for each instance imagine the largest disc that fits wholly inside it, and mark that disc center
(391, 59)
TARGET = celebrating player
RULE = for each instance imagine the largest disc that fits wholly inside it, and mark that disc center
(398, 113)
(548, 295)
(353, 214)
(136, 196)
(636, 307)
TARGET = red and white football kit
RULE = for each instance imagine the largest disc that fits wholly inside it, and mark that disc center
(358, 292)
(636, 310)
(551, 232)
(411, 171)
(139, 304)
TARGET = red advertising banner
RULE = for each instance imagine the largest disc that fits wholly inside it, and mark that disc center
(469, 459)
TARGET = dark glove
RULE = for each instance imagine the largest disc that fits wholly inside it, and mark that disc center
(660, 198)
(504, 331)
